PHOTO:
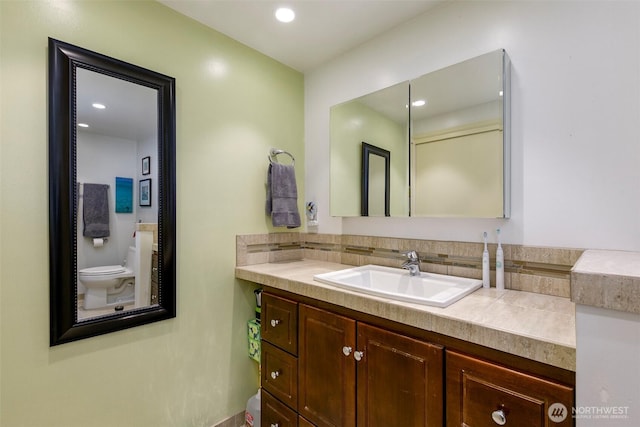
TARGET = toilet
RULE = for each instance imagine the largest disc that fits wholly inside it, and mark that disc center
(109, 285)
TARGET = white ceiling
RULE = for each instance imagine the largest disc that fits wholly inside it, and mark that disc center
(322, 30)
(472, 83)
(131, 109)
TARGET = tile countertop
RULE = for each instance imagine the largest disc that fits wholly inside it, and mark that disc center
(607, 279)
(534, 326)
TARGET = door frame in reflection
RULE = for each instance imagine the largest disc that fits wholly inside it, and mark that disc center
(367, 179)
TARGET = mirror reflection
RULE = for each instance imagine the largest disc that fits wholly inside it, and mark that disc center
(117, 128)
(375, 180)
(112, 201)
(380, 119)
(457, 141)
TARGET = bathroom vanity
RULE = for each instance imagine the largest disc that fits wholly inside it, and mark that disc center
(334, 357)
(154, 278)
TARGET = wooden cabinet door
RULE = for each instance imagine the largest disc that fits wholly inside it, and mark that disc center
(326, 368)
(482, 394)
(400, 380)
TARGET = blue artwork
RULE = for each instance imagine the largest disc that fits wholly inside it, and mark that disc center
(124, 195)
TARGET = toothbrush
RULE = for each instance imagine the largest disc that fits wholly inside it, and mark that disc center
(486, 281)
(499, 265)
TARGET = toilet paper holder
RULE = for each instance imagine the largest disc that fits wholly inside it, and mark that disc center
(99, 241)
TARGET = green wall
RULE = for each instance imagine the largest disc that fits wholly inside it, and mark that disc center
(351, 124)
(233, 104)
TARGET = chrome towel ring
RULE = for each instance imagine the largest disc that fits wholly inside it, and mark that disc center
(273, 155)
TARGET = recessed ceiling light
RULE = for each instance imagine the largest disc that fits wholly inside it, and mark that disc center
(98, 106)
(285, 14)
(83, 125)
(419, 103)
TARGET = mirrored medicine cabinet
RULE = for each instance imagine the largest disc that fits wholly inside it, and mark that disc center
(447, 139)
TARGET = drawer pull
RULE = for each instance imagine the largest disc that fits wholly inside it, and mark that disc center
(275, 374)
(274, 323)
(346, 350)
(499, 417)
(275, 425)
(358, 355)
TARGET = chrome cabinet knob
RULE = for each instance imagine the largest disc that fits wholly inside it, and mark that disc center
(346, 350)
(358, 355)
(275, 374)
(499, 417)
(274, 323)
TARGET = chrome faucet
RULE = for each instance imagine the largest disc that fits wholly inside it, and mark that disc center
(412, 263)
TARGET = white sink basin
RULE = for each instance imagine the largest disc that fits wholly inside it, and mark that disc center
(429, 289)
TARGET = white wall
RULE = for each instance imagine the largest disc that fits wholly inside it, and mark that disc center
(355, 123)
(478, 113)
(148, 148)
(100, 160)
(607, 355)
(575, 116)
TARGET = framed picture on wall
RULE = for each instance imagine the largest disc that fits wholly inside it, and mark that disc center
(145, 192)
(146, 165)
(124, 195)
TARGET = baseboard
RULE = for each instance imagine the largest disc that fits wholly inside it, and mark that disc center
(236, 420)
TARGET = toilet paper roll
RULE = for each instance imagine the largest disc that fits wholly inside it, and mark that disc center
(98, 243)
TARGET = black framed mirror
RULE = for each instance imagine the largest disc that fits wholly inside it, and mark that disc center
(375, 181)
(85, 234)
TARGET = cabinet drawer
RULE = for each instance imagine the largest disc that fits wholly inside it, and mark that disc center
(280, 322)
(274, 413)
(480, 393)
(280, 374)
(154, 293)
(154, 267)
(302, 422)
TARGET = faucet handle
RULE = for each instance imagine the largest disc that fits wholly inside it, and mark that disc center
(411, 255)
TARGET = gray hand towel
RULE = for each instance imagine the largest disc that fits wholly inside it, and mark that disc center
(95, 212)
(282, 196)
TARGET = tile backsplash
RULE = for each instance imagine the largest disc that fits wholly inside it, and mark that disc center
(544, 270)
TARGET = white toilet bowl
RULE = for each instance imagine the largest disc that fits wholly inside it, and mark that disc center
(107, 285)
